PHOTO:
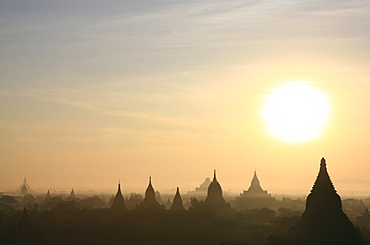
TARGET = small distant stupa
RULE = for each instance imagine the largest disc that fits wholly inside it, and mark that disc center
(177, 201)
(119, 201)
(47, 197)
(72, 196)
(24, 189)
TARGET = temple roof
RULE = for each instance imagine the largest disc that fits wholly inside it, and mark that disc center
(323, 182)
(149, 192)
(119, 193)
(24, 190)
(149, 199)
(71, 196)
(323, 221)
(47, 197)
(177, 195)
(214, 189)
(24, 186)
(177, 201)
(119, 201)
(323, 193)
(255, 184)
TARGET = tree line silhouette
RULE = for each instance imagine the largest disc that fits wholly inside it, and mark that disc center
(58, 221)
(68, 222)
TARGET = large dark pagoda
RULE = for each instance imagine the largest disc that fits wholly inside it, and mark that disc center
(323, 221)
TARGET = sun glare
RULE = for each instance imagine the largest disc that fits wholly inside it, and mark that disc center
(296, 112)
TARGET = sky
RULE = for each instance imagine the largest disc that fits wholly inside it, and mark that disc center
(92, 92)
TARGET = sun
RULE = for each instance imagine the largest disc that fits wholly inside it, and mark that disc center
(296, 112)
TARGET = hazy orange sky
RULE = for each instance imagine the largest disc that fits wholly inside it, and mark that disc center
(94, 91)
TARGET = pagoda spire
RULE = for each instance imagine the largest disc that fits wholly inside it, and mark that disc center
(149, 198)
(177, 201)
(150, 193)
(71, 196)
(323, 182)
(255, 184)
(214, 197)
(119, 201)
(24, 190)
(214, 191)
(47, 197)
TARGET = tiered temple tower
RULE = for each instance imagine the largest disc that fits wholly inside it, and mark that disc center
(177, 201)
(255, 197)
(149, 199)
(255, 190)
(323, 222)
(119, 201)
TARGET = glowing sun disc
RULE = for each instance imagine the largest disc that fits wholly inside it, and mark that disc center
(296, 112)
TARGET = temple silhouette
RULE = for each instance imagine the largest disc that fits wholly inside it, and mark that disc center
(72, 196)
(202, 189)
(177, 201)
(47, 197)
(24, 189)
(255, 190)
(119, 201)
(254, 197)
(215, 199)
(323, 221)
(149, 201)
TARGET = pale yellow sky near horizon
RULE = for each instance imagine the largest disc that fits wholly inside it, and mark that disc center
(93, 93)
